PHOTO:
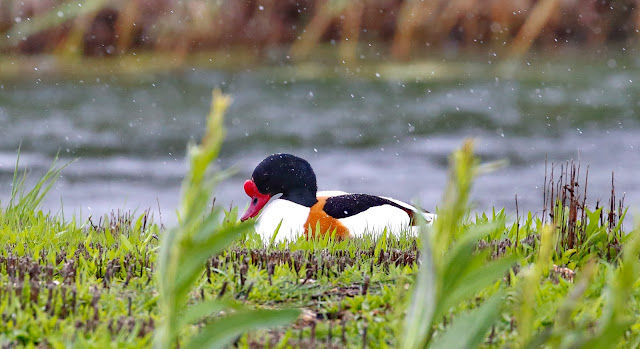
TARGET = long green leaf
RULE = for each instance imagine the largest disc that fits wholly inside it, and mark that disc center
(484, 275)
(457, 260)
(196, 312)
(538, 339)
(16, 183)
(52, 18)
(468, 330)
(423, 300)
(192, 265)
(185, 248)
(126, 243)
(616, 318)
(218, 333)
(206, 229)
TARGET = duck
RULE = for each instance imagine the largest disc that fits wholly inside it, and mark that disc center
(301, 209)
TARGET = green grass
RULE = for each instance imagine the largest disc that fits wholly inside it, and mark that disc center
(122, 281)
(66, 283)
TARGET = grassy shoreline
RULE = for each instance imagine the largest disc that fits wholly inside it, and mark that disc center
(566, 280)
(92, 284)
(137, 67)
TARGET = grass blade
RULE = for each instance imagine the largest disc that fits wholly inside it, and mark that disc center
(468, 330)
(218, 333)
(423, 301)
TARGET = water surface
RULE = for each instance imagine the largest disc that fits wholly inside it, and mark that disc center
(382, 133)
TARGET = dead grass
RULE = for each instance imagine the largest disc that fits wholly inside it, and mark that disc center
(405, 28)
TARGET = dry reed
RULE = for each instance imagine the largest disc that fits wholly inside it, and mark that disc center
(404, 28)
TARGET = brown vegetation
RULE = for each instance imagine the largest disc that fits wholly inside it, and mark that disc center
(565, 203)
(108, 28)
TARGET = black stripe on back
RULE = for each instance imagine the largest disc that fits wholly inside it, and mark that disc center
(344, 206)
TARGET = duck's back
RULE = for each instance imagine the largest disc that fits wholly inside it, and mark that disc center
(370, 214)
(348, 214)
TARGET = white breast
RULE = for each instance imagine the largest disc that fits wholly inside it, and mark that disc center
(292, 215)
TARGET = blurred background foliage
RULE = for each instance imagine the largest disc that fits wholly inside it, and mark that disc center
(267, 29)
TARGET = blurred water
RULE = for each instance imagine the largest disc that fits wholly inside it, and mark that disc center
(381, 135)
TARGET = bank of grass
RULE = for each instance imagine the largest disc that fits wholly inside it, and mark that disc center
(92, 285)
(67, 283)
(467, 281)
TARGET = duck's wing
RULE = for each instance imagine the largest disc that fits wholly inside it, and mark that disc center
(428, 216)
(330, 193)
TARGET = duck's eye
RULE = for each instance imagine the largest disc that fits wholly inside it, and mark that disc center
(255, 201)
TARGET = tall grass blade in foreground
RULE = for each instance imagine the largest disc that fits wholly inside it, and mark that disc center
(57, 16)
(451, 272)
(186, 248)
(615, 323)
(617, 317)
(27, 203)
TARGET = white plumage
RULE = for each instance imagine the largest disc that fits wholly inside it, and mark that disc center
(371, 221)
(300, 204)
